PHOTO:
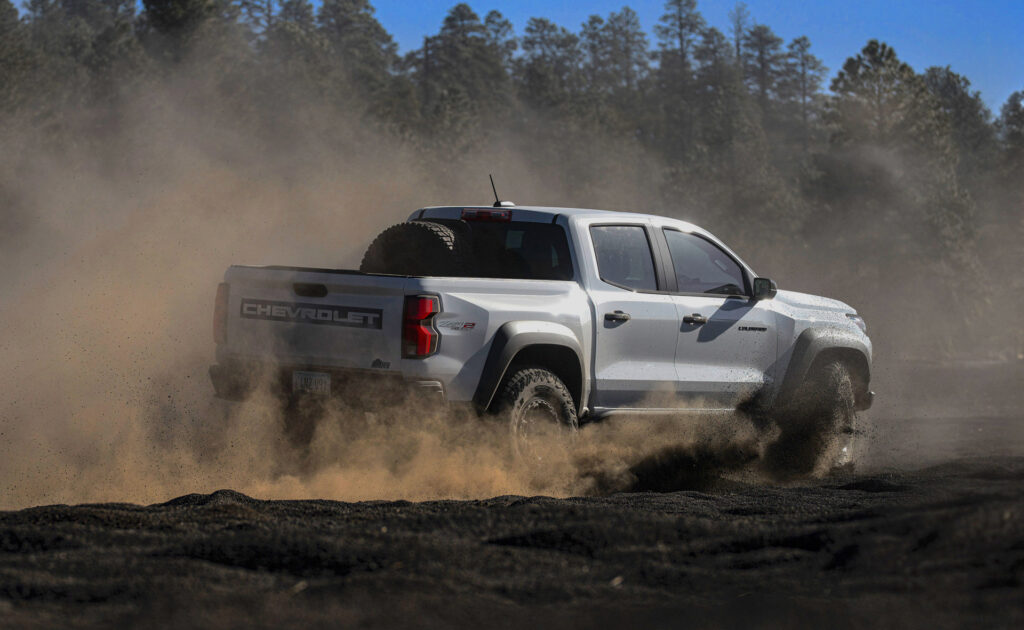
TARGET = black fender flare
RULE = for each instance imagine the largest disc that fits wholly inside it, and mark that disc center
(514, 337)
(821, 342)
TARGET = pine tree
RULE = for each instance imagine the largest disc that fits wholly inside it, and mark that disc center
(677, 31)
(1011, 131)
(627, 49)
(763, 65)
(460, 80)
(616, 64)
(971, 121)
(177, 19)
(17, 59)
(468, 59)
(549, 72)
(739, 20)
(800, 85)
(719, 89)
(880, 99)
(170, 28)
(893, 159)
(596, 56)
(297, 50)
(297, 12)
(261, 14)
(360, 45)
(501, 36)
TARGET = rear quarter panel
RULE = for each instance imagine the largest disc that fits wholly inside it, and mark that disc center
(473, 309)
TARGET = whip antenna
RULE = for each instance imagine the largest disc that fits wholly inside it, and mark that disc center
(498, 203)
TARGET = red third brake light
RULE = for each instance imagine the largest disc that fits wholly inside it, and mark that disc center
(492, 216)
(419, 336)
(220, 314)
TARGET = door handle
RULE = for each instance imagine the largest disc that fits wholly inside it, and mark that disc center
(617, 316)
(696, 319)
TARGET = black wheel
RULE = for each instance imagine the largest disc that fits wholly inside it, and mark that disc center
(415, 248)
(540, 412)
(818, 431)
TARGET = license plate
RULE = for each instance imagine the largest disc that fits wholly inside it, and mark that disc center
(318, 383)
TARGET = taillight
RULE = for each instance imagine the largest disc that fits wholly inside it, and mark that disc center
(220, 314)
(419, 336)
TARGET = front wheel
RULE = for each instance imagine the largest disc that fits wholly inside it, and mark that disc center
(818, 431)
(540, 412)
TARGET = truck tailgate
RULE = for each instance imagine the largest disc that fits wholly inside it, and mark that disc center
(314, 317)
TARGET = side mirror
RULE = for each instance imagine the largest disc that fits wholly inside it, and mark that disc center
(764, 289)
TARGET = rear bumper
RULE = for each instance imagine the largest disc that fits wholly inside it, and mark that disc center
(237, 380)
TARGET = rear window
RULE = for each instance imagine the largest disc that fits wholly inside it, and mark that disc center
(517, 249)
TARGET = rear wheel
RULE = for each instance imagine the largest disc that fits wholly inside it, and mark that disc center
(540, 412)
(818, 432)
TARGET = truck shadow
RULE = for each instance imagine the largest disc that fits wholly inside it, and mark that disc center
(722, 319)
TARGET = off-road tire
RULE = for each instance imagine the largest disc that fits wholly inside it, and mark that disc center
(415, 248)
(530, 395)
(818, 431)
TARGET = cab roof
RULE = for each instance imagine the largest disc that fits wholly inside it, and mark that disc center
(540, 214)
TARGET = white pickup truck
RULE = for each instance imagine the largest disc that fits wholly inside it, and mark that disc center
(553, 315)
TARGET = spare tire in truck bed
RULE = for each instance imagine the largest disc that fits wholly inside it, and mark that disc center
(416, 248)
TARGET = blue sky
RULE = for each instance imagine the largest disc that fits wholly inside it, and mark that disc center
(981, 39)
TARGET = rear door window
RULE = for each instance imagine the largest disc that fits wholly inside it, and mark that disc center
(624, 256)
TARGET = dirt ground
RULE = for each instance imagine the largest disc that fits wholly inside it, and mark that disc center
(929, 533)
(941, 546)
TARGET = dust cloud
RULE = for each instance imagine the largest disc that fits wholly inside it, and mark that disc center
(108, 281)
(111, 251)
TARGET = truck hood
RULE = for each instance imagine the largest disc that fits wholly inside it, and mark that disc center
(813, 302)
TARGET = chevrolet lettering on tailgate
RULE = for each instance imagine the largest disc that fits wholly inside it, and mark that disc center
(312, 313)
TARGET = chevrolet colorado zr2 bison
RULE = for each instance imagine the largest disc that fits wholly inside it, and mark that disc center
(552, 316)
